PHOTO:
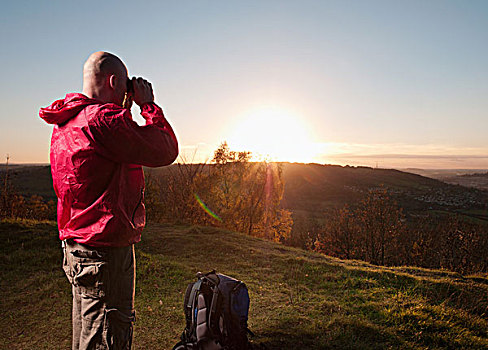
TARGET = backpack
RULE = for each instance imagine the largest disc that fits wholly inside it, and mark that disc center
(216, 311)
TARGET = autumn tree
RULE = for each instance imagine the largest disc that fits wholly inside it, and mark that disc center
(246, 195)
(368, 232)
(172, 195)
(341, 235)
(380, 222)
(231, 192)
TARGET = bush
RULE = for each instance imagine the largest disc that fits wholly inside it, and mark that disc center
(232, 192)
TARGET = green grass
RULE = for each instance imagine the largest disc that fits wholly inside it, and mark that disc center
(299, 300)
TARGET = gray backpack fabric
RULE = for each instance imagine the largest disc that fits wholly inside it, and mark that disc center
(216, 310)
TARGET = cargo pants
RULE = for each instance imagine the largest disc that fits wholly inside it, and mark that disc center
(103, 286)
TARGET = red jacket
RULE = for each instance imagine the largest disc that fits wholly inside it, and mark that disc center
(97, 153)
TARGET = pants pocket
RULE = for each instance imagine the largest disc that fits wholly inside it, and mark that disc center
(118, 329)
(89, 271)
(90, 278)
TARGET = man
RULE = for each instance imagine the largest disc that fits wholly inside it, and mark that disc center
(97, 154)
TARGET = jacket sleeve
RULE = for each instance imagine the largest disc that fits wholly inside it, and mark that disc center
(117, 137)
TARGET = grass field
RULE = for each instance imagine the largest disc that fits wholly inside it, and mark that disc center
(299, 300)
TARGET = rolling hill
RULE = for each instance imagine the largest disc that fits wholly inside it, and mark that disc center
(299, 299)
(315, 188)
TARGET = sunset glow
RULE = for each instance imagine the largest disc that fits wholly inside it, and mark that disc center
(273, 134)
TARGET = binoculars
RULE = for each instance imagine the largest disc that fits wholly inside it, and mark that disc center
(130, 86)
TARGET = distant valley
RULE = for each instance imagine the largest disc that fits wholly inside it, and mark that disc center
(315, 188)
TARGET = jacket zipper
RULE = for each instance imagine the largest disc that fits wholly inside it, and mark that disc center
(137, 206)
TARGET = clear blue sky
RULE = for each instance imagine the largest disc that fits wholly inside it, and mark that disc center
(402, 83)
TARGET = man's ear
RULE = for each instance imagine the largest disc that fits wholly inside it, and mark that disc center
(111, 81)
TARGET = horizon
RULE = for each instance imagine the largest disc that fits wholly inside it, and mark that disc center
(464, 170)
(385, 84)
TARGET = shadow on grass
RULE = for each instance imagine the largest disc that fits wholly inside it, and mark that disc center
(345, 333)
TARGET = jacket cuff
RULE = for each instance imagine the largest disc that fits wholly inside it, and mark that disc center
(149, 107)
(150, 111)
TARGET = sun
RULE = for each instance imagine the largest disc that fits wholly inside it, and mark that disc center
(273, 134)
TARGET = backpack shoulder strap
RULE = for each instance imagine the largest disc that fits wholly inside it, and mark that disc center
(192, 303)
(186, 309)
(190, 308)
(214, 304)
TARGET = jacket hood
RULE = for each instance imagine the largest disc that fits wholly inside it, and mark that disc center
(61, 111)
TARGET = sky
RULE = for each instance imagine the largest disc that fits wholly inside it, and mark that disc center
(377, 83)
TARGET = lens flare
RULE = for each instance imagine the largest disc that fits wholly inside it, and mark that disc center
(207, 209)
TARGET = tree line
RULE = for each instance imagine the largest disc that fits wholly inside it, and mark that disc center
(377, 231)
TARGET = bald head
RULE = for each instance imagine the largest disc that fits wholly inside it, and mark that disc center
(105, 77)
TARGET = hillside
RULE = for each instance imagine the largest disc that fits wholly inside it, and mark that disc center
(31, 180)
(299, 300)
(313, 188)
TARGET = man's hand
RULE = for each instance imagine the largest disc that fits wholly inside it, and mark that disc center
(143, 92)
